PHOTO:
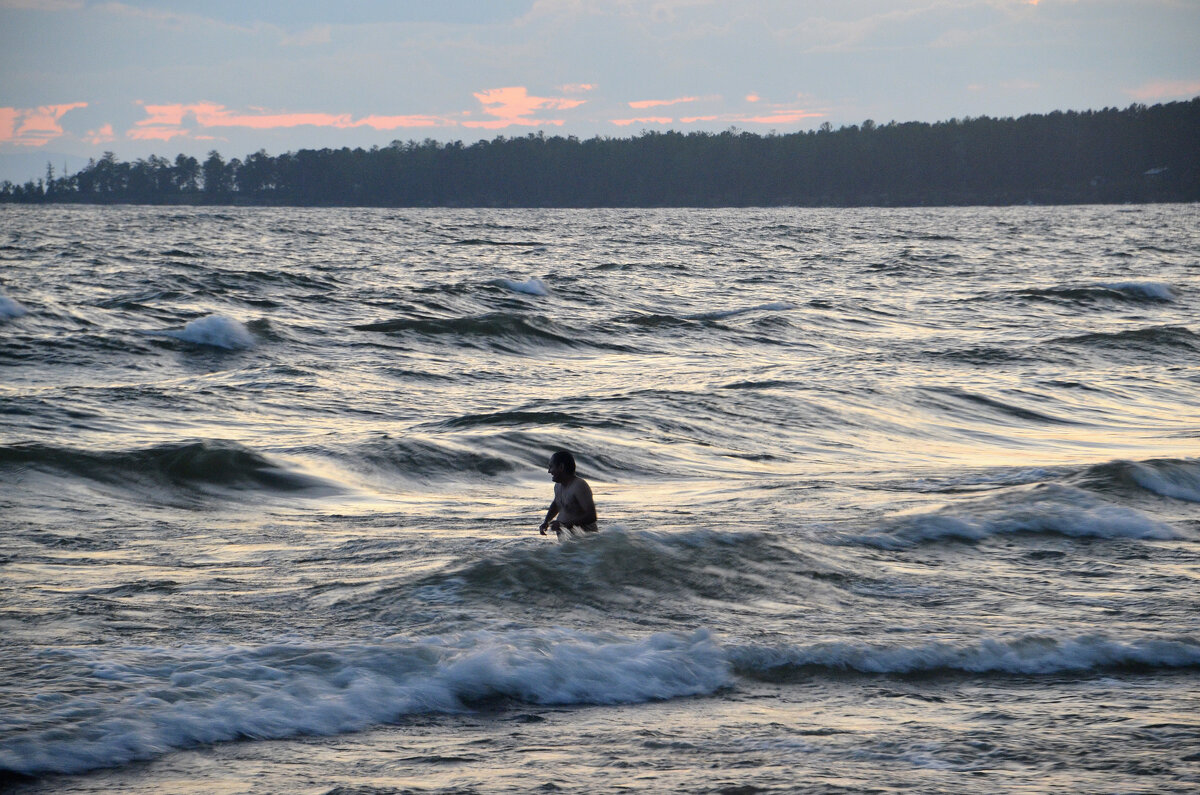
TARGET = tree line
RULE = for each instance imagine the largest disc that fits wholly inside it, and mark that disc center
(1135, 154)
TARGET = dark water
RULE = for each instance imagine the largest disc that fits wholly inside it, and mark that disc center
(890, 499)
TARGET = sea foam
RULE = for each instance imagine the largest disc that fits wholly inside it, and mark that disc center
(1052, 508)
(10, 308)
(175, 698)
(1177, 479)
(529, 287)
(217, 331)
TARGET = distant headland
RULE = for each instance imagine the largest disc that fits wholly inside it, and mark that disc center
(1131, 155)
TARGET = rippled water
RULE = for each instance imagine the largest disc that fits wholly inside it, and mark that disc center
(890, 499)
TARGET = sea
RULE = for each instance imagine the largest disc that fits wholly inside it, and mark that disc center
(890, 500)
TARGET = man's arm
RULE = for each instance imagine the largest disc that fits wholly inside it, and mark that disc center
(551, 512)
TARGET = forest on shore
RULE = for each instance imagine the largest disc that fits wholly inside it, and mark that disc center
(1135, 154)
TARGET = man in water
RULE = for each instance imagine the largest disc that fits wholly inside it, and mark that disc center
(573, 503)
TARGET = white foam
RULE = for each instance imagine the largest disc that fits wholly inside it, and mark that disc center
(529, 287)
(215, 330)
(1030, 654)
(1155, 291)
(1046, 509)
(11, 309)
(175, 698)
(1180, 480)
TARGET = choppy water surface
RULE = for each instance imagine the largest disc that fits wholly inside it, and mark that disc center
(891, 499)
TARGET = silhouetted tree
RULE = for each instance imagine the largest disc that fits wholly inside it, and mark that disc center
(1133, 155)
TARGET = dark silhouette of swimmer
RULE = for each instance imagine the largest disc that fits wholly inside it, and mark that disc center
(573, 503)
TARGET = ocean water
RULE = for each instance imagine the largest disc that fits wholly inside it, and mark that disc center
(890, 500)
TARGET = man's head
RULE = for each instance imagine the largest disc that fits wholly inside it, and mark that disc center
(562, 466)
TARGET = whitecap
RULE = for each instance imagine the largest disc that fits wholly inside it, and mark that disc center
(10, 309)
(1176, 479)
(528, 287)
(181, 697)
(217, 331)
(1153, 291)
(1062, 510)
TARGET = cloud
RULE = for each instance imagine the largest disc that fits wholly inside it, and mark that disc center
(642, 120)
(321, 34)
(165, 122)
(103, 135)
(753, 97)
(33, 126)
(514, 105)
(576, 88)
(653, 103)
(780, 117)
(1165, 89)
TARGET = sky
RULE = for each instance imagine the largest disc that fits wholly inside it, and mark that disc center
(140, 77)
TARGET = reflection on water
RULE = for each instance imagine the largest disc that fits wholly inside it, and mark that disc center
(886, 495)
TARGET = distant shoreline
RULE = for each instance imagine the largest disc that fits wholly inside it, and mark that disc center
(1136, 155)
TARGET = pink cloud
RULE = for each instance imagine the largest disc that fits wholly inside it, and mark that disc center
(654, 103)
(8, 124)
(514, 105)
(781, 117)
(642, 120)
(33, 126)
(753, 97)
(1165, 89)
(102, 136)
(694, 119)
(395, 122)
(165, 122)
(576, 88)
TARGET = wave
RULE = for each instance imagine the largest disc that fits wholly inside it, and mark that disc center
(1025, 655)
(1175, 478)
(619, 565)
(778, 306)
(477, 241)
(194, 465)
(1046, 508)
(1151, 338)
(996, 407)
(1131, 292)
(497, 325)
(528, 287)
(522, 417)
(424, 459)
(160, 699)
(10, 309)
(215, 331)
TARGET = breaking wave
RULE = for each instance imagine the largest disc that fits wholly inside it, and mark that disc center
(1047, 508)
(160, 699)
(215, 331)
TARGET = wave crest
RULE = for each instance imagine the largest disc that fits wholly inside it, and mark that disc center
(1029, 655)
(161, 699)
(188, 465)
(1047, 508)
